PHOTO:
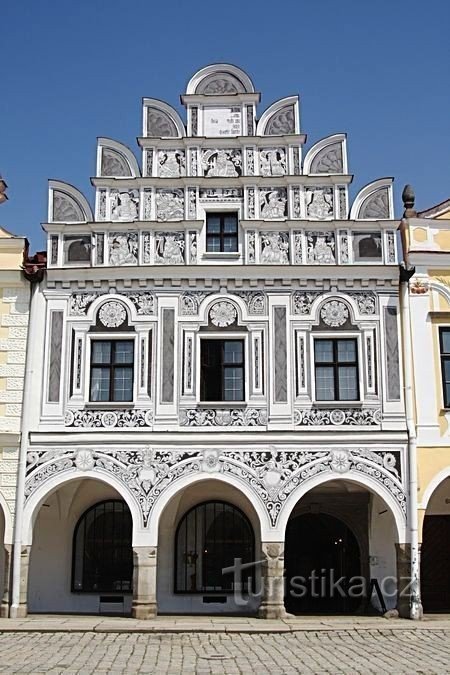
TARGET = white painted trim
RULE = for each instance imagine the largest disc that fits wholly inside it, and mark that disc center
(7, 516)
(234, 71)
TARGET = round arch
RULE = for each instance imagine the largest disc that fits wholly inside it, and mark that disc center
(4, 509)
(432, 486)
(327, 143)
(181, 484)
(36, 500)
(290, 103)
(211, 300)
(122, 151)
(366, 481)
(234, 74)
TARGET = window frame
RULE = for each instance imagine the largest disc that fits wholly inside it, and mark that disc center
(182, 520)
(232, 336)
(82, 519)
(443, 356)
(108, 337)
(333, 336)
(222, 214)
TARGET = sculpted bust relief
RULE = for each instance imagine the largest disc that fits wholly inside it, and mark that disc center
(125, 209)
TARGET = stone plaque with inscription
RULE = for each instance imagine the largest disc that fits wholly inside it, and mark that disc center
(222, 122)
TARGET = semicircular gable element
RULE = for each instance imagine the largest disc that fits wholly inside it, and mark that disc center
(220, 78)
(161, 120)
(115, 159)
(327, 156)
(280, 118)
(374, 201)
(66, 204)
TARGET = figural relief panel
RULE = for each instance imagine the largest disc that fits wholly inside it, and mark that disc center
(320, 248)
(170, 204)
(273, 203)
(222, 163)
(275, 248)
(319, 202)
(272, 162)
(171, 163)
(124, 206)
(169, 248)
(123, 248)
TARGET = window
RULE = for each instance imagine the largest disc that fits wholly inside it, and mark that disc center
(221, 232)
(222, 370)
(209, 538)
(77, 249)
(112, 365)
(444, 343)
(367, 246)
(336, 369)
(102, 549)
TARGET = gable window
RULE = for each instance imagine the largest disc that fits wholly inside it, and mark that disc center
(444, 344)
(336, 369)
(222, 370)
(112, 366)
(221, 232)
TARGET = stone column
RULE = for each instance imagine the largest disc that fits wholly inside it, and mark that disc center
(272, 580)
(20, 611)
(403, 552)
(6, 599)
(144, 582)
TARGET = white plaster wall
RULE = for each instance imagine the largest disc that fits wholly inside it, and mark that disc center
(51, 554)
(168, 601)
(383, 560)
(439, 504)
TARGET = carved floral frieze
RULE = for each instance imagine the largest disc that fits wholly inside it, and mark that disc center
(230, 417)
(144, 302)
(337, 417)
(108, 419)
(272, 475)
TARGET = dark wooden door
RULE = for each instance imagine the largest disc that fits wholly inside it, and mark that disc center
(435, 566)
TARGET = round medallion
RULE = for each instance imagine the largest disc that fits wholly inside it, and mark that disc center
(337, 417)
(149, 418)
(222, 314)
(68, 418)
(109, 419)
(334, 313)
(84, 460)
(340, 461)
(112, 314)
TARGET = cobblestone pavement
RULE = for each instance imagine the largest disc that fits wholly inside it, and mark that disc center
(336, 651)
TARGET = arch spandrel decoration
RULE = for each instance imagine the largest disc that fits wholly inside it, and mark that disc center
(218, 79)
(113, 164)
(67, 204)
(271, 476)
(280, 119)
(374, 201)
(116, 160)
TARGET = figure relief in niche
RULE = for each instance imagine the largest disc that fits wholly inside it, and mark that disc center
(123, 248)
(273, 162)
(321, 248)
(124, 206)
(171, 164)
(170, 205)
(222, 163)
(275, 248)
(273, 204)
(169, 248)
(320, 203)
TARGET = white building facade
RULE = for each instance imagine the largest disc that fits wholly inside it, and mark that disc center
(215, 372)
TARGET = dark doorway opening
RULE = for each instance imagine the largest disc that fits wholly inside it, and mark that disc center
(320, 549)
(435, 565)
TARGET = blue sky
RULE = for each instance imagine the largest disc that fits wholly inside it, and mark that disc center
(72, 71)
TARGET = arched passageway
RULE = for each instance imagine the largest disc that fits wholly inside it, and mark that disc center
(82, 558)
(435, 551)
(340, 544)
(320, 550)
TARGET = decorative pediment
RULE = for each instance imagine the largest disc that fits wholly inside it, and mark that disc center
(161, 120)
(327, 156)
(280, 118)
(219, 79)
(115, 159)
(67, 204)
(374, 201)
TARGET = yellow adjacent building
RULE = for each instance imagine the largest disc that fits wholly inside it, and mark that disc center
(14, 307)
(426, 236)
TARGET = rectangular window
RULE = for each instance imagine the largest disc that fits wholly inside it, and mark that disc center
(336, 369)
(444, 344)
(221, 232)
(112, 366)
(222, 370)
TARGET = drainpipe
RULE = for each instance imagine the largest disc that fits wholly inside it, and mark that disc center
(406, 272)
(21, 470)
